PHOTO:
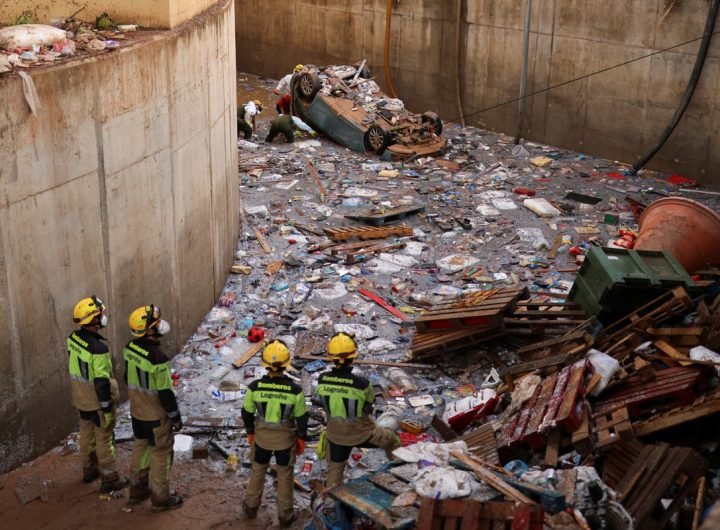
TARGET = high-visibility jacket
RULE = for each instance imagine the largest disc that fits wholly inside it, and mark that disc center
(347, 398)
(147, 374)
(91, 374)
(274, 410)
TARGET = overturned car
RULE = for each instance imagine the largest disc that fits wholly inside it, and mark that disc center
(345, 104)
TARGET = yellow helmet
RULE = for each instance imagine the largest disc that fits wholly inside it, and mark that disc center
(143, 319)
(276, 355)
(298, 68)
(87, 309)
(342, 346)
(258, 104)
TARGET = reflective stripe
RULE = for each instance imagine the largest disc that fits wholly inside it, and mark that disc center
(351, 407)
(141, 389)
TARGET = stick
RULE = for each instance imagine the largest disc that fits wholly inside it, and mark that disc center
(699, 503)
(315, 176)
(491, 479)
(249, 354)
(357, 74)
(382, 303)
(263, 242)
(370, 362)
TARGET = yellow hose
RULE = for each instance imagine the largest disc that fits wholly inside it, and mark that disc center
(388, 78)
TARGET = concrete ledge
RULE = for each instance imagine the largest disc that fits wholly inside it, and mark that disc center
(124, 185)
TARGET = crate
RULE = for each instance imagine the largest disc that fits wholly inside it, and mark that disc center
(613, 282)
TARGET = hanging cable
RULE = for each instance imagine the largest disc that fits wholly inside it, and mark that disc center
(458, 55)
(388, 22)
(570, 81)
(689, 91)
(524, 71)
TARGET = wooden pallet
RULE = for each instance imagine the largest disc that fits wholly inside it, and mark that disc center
(481, 443)
(703, 406)
(365, 233)
(611, 427)
(484, 309)
(619, 459)
(385, 216)
(614, 337)
(672, 387)
(553, 405)
(466, 514)
(426, 345)
(548, 318)
(656, 469)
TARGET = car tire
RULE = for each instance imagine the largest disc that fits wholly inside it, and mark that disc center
(376, 139)
(432, 119)
(307, 85)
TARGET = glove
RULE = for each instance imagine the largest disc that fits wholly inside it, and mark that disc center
(300, 445)
(251, 438)
(107, 419)
(177, 424)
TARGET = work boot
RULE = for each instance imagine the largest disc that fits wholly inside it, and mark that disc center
(139, 492)
(90, 475)
(116, 484)
(173, 502)
(250, 513)
(286, 521)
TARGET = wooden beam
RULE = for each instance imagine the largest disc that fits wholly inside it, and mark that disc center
(487, 476)
(249, 354)
(369, 362)
(263, 242)
(316, 178)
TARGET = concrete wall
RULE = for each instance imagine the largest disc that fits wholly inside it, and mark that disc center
(617, 114)
(147, 13)
(124, 185)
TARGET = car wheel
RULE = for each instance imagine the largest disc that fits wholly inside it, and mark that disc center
(308, 85)
(376, 139)
(433, 122)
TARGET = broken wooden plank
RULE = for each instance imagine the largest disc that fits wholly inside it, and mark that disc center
(704, 406)
(365, 233)
(370, 362)
(490, 478)
(316, 178)
(263, 242)
(385, 216)
(249, 354)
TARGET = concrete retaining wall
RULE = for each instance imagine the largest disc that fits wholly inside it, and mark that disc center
(617, 114)
(124, 185)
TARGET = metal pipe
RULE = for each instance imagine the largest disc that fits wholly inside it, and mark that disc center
(388, 22)
(458, 88)
(524, 71)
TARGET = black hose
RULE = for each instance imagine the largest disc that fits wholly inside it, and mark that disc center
(689, 91)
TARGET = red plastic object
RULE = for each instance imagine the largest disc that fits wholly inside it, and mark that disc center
(408, 438)
(575, 251)
(461, 421)
(382, 303)
(524, 191)
(256, 334)
(292, 241)
(614, 175)
(678, 180)
(687, 229)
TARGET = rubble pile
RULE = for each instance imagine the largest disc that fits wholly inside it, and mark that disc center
(514, 399)
(25, 45)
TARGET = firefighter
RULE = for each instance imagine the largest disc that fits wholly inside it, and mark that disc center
(154, 410)
(276, 418)
(347, 399)
(95, 393)
(246, 118)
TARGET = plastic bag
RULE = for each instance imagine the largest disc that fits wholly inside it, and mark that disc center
(605, 366)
